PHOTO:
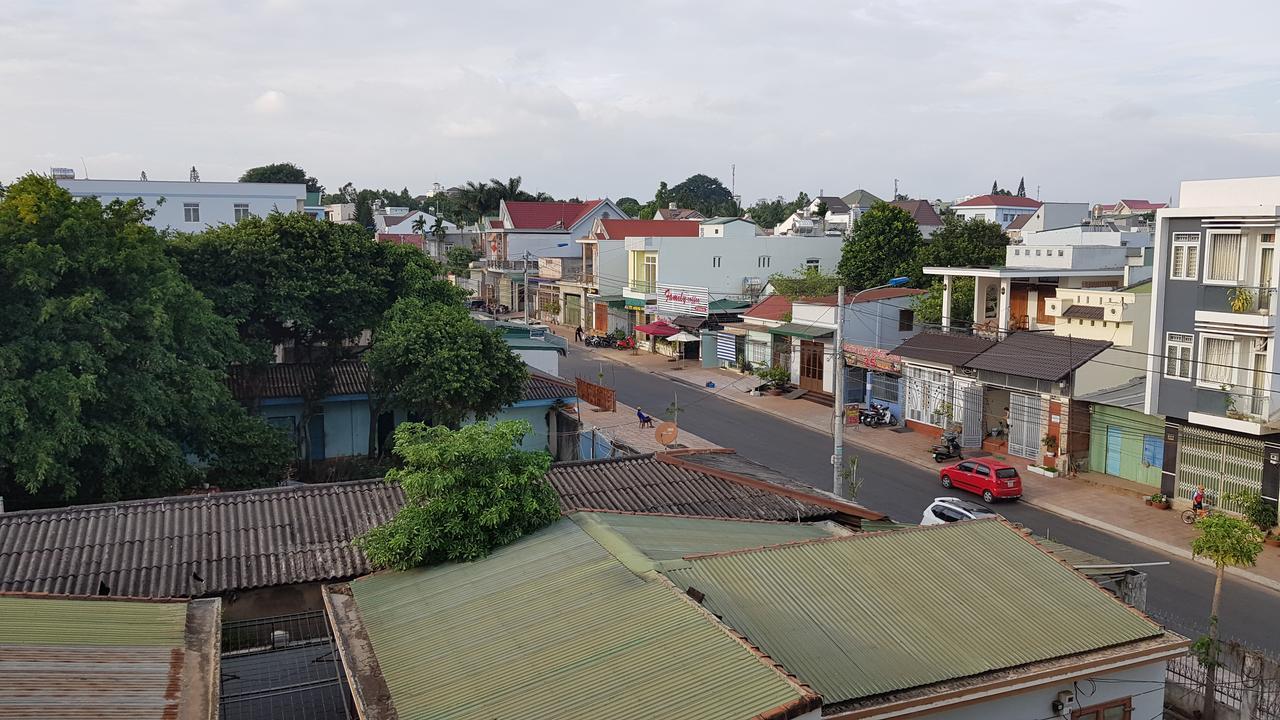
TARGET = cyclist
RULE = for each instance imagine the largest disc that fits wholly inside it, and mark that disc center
(1197, 501)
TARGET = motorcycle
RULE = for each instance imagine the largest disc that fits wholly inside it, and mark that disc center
(626, 343)
(876, 416)
(948, 447)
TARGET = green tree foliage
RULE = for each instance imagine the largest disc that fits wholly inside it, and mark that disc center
(1022, 187)
(467, 492)
(458, 258)
(769, 213)
(807, 282)
(364, 213)
(112, 366)
(281, 173)
(882, 245)
(1227, 541)
(928, 307)
(960, 242)
(705, 194)
(630, 206)
(437, 362)
(820, 210)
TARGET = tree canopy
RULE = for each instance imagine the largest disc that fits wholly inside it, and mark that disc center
(808, 282)
(112, 366)
(467, 492)
(284, 172)
(630, 206)
(458, 259)
(769, 213)
(438, 363)
(705, 194)
(928, 307)
(882, 245)
(960, 242)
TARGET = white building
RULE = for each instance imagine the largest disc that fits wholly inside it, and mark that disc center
(341, 213)
(1053, 215)
(193, 206)
(1002, 209)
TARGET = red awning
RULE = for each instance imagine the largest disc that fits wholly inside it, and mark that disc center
(658, 329)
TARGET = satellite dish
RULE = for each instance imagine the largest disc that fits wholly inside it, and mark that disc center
(666, 433)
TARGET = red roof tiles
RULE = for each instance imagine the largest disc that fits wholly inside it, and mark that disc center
(547, 215)
(618, 229)
(774, 307)
(999, 201)
(1142, 205)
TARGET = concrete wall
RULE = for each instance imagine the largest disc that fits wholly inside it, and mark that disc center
(1138, 683)
(992, 214)
(1065, 257)
(535, 415)
(1056, 215)
(1087, 236)
(272, 601)
(1230, 192)
(860, 325)
(217, 200)
(692, 261)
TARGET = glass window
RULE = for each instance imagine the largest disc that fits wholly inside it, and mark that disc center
(965, 467)
(982, 470)
(1217, 360)
(1177, 355)
(191, 212)
(906, 320)
(812, 263)
(1006, 473)
(241, 211)
(1184, 262)
(1224, 257)
(715, 261)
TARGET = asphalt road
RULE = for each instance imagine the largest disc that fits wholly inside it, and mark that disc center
(1180, 592)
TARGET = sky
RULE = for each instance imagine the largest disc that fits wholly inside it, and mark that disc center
(1090, 101)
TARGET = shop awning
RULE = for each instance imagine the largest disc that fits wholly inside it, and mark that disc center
(634, 302)
(802, 330)
(727, 306)
(658, 329)
(613, 301)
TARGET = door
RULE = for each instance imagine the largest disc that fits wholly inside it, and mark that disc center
(1258, 393)
(315, 437)
(981, 478)
(1018, 308)
(1026, 419)
(969, 395)
(602, 318)
(811, 365)
(1114, 438)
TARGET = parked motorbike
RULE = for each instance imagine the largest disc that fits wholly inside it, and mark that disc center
(626, 343)
(876, 416)
(948, 447)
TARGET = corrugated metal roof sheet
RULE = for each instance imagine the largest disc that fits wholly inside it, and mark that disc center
(194, 545)
(1131, 395)
(288, 380)
(1085, 312)
(553, 626)
(889, 622)
(667, 537)
(63, 658)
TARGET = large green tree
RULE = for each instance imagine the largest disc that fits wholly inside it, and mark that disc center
(1227, 541)
(960, 242)
(284, 172)
(882, 245)
(438, 363)
(311, 286)
(808, 282)
(630, 206)
(705, 194)
(467, 492)
(112, 366)
(928, 307)
(458, 259)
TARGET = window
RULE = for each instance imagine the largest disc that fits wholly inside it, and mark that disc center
(811, 263)
(191, 212)
(241, 211)
(906, 320)
(1267, 238)
(763, 261)
(1224, 257)
(946, 514)
(650, 272)
(1217, 360)
(965, 467)
(982, 470)
(715, 261)
(1037, 252)
(1060, 253)
(1184, 258)
(1112, 710)
(979, 216)
(1177, 356)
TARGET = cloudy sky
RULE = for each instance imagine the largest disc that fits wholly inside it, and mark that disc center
(1088, 100)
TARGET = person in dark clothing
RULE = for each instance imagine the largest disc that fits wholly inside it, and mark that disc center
(645, 420)
(577, 334)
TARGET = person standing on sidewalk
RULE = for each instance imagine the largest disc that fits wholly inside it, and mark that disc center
(577, 334)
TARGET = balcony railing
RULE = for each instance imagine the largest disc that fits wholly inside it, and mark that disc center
(644, 286)
(1235, 403)
(1240, 300)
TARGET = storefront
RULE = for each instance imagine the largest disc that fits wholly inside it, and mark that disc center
(1126, 443)
(874, 376)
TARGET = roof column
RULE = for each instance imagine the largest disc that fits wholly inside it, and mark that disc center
(1002, 316)
(946, 302)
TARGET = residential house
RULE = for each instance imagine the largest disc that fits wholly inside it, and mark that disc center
(840, 213)
(758, 346)
(1124, 441)
(194, 206)
(1212, 365)
(1125, 211)
(399, 228)
(1002, 209)
(99, 657)
(341, 213)
(927, 219)
(1051, 216)
(671, 212)
(730, 619)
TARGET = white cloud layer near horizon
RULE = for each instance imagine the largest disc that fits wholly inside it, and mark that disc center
(1088, 100)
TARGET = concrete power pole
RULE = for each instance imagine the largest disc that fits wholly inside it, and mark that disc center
(837, 454)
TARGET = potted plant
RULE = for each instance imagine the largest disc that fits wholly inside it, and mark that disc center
(1272, 538)
(776, 376)
(1254, 509)
(1241, 299)
(1159, 500)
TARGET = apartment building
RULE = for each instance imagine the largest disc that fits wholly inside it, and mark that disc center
(1212, 366)
(193, 206)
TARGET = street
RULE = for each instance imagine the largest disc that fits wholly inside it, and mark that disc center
(1179, 593)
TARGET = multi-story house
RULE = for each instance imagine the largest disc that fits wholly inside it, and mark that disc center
(927, 219)
(1212, 364)
(1049, 216)
(194, 206)
(1002, 209)
(839, 214)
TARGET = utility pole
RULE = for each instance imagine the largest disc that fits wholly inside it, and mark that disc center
(526, 288)
(837, 455)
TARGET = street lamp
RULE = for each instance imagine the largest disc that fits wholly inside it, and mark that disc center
(527, 255)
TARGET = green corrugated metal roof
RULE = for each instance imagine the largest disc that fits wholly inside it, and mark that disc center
(663, 537)
(634, 302)
(91, 623)
(896, 618)
(801, 330)
(721, 306)
(554, 626)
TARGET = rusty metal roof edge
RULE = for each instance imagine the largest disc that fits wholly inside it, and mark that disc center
(202, 661)
(368, 687)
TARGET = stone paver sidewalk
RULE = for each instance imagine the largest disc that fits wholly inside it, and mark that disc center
(1103, 502)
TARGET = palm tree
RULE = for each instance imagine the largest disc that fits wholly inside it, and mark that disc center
(1226, 541)
(420, 224)
(438, 229)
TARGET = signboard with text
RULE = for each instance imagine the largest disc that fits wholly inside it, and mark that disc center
(683, 300)
(871, 358)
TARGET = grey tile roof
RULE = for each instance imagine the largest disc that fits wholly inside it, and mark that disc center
(287, 380)
(1038, 355)
(1085, 312)
(1131, 395)
(860, 198)
(942, 348)
(541, 386)
(835, 204)
(194, 545)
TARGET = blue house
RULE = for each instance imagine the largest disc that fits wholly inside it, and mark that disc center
(343, 426)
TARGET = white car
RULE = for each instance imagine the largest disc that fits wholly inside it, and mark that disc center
(949, 509)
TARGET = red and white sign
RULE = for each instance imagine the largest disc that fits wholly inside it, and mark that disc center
(683, 300)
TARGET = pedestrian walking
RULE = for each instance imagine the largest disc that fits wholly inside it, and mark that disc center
(577, 334)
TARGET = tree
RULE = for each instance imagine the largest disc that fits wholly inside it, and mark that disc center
(437, 362)
(960, 242)
(820, 210)
(995, 187)
(928, 307)
(808, 282)
(1022, 187)
(113, 367)
(630, 206)
(882, 246)
(1226, 541)
(458, 259)
(284, 172)
(705, 194)
(364, 212)
(467, 492)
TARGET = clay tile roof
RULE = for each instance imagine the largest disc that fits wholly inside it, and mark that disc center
(1142, 205)
(618, 229)
(999, 201)
(1039, 356)
(1018, 222)
(680, 214)
(774, 307)
(921, 211)
(547, 215)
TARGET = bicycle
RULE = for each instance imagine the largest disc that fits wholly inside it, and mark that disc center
(1191, 515)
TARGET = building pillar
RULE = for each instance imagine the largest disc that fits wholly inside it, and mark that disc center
(946, 302)
(1002, 313)
(1169, 470)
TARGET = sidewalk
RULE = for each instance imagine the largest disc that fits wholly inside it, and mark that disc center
(622, 427)
(1101, 501)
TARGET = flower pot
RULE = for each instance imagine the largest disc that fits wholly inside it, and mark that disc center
(1148, 501)
(1166, 505)
(1272, 540)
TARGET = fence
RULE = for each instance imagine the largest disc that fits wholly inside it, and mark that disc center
(1247, 682)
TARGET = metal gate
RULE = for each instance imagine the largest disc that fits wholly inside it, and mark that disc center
(1026, 425)
(1222, 463)
(968, 396)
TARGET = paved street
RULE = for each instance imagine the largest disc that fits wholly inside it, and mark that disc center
(1180, 590)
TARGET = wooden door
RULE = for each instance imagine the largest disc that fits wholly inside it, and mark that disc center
(1018, 308)
(811, 365)
(602, 318)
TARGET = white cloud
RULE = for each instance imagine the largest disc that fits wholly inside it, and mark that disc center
(269, 102)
